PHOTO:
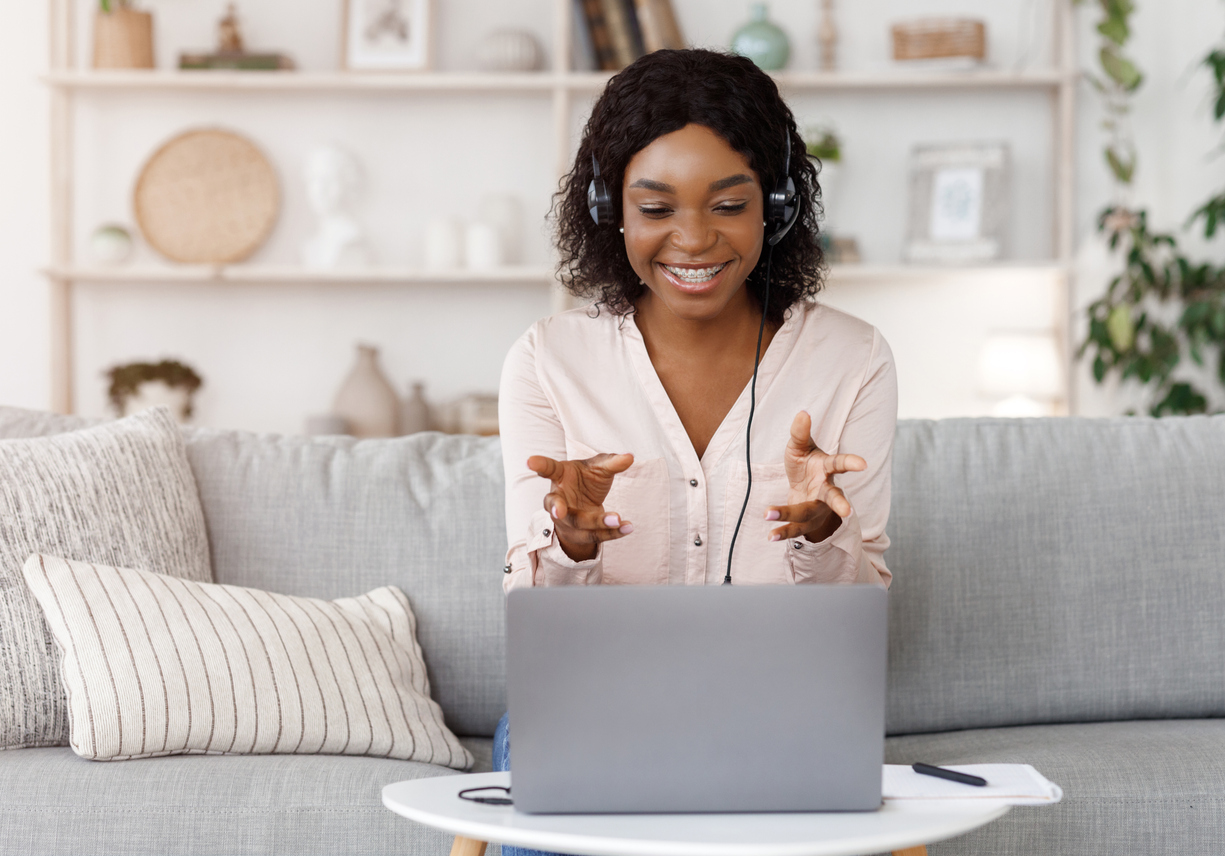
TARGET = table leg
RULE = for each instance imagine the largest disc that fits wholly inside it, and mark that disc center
(468, 847)
(921, 850)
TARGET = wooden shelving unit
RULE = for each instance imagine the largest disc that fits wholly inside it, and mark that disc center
(566, 89)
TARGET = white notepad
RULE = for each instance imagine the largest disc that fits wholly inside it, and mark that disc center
(1010, 784)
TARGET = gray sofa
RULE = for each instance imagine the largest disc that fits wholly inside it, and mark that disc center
(1058, 599)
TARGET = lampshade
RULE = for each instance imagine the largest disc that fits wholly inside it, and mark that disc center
(1021, 363)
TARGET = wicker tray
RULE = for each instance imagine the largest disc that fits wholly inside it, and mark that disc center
(207, 197)
(933, 38)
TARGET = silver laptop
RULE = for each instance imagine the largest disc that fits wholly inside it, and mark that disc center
(696, 699)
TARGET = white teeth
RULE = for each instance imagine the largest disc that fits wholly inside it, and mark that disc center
(695, 274)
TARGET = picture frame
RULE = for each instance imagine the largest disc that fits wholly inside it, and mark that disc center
(958, 202)
(387, 35)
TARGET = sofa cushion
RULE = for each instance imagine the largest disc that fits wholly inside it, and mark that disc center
(1128, 787)
(1056, 570)
(326, 517)
(56, 804)
(119, 493)
(159, 666)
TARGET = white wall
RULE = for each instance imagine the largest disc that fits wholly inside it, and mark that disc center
(272, 355)
(24, 193)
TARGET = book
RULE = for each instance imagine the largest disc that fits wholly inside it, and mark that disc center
(601, 38)
(659, 26)
(236, 62)
(583, 56)
(616, 14)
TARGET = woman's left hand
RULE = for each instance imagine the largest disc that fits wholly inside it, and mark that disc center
(815, 505)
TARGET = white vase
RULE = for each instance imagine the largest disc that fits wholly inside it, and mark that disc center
(482, 246)
(444, 245)
(509, 50)
(366, 400)
(415, 413)
(505, 212)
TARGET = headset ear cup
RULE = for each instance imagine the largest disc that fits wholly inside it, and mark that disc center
(599, 200)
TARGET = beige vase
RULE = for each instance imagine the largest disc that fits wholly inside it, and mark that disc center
(366, 400)
(123, 38)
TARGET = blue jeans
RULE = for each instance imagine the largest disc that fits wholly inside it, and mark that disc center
(501, 764)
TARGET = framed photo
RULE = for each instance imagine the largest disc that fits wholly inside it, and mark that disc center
(386, 35)
(958, 202)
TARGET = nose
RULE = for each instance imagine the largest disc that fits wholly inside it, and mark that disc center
(693, 234)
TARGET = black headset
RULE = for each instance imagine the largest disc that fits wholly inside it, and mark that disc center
(781, 207)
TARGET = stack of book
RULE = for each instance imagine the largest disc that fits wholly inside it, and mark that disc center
(613, 33)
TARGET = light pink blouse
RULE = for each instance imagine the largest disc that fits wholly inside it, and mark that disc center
(580, 383)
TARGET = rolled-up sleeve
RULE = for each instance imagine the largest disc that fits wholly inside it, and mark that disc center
(530, 426)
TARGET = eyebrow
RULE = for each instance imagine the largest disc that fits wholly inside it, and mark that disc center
(721, 184)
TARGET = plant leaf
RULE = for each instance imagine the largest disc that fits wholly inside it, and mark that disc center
(1120, 69)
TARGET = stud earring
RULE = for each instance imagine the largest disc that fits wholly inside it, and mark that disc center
(622, 230)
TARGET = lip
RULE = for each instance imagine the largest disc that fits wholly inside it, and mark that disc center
(690, 287)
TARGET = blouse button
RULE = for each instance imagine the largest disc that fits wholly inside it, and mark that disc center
(798, 545)
(547, 533)
(697, 542)
(693, 482)
(506, 569)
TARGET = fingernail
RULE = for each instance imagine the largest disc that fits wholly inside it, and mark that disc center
(612, 520)
(626, 529)
(554, 512)
(772, 514)
(775, 537)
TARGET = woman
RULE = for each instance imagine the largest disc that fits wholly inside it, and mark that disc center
(623, 424)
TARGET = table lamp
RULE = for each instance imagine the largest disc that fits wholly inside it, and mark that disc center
(1022, 370)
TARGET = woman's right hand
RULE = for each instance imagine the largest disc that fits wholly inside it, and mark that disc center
(576, 501)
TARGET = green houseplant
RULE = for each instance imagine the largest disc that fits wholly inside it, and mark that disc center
(1163, 308)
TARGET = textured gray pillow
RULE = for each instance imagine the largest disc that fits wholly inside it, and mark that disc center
(120, 493)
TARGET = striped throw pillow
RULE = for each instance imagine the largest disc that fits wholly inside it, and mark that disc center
(155, 665)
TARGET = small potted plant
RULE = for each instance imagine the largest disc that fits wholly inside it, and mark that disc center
(825, 147)
(138, 386)
(123, 36)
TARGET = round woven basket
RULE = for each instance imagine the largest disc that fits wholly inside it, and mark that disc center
(207, 197)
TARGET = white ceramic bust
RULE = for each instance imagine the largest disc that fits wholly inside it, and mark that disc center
(333, 181)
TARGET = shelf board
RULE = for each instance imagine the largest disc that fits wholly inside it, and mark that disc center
(476, 82)
(293, 275)
(526, 274)
(302, 81)
(906, 273)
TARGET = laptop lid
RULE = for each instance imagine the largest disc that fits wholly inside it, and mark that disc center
(696, 699)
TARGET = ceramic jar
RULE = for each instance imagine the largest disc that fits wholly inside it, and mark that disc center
(762, 41)
(509, 50)
(415, 413)
(366, 400)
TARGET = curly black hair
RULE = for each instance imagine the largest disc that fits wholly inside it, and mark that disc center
(660, 93)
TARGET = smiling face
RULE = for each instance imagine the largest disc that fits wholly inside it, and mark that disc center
(693, 222)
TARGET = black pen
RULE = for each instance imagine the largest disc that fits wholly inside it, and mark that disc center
(951, 775)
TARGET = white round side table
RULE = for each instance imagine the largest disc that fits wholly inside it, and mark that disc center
(903, 828)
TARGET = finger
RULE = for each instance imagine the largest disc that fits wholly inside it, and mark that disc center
(844, 464)
(601, 535)
(556, 505)
(545, 467)
(836, 500)
(800, 512)
(594, 517)
(800, 441)
(611, 464)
